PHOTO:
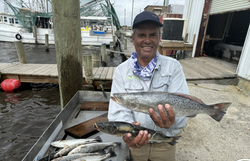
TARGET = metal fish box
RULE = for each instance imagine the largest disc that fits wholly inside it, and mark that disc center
(70, 116)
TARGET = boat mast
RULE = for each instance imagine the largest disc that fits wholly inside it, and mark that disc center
(132, 13)
(112, 26)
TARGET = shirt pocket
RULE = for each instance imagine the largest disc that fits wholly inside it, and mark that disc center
(133, 87)
(162, 82)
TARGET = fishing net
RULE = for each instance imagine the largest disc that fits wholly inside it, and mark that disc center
(40, 14)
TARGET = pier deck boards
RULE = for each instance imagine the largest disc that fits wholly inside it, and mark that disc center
(201, 68)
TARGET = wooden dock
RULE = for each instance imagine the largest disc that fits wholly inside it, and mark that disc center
(202, 68)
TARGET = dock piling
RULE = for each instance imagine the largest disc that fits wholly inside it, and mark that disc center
(87, 61)
(20, 52)
(104, 55)
(114, 42)
(95, 59)
(47, 42)
(35, 33)
(125, 44)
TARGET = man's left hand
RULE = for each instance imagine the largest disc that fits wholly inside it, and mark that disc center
(165, 120)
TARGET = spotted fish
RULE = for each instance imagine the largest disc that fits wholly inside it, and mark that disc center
(183, 105)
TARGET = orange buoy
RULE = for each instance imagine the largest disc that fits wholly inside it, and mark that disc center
(10, 84)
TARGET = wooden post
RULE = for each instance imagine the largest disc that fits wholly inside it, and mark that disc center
(104, 55)
(67, 34)
(122, 38)
(88, 68)
(47, 42)
(125, 44)
(35, 33)
(114, 42)
(20, 52)
(95, 59)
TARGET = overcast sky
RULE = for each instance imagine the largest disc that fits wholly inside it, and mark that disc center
(139, 5)
(121, 5)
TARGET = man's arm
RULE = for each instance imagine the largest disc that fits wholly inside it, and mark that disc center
(117, 112)
(120, 113)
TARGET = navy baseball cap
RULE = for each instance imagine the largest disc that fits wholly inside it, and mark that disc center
(146, 16)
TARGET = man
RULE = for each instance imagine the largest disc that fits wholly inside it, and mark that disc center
(147, 70)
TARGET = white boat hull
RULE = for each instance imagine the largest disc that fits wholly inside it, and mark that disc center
(8, 34)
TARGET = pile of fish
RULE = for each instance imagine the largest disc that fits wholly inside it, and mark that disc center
(183, 105)
(81, 150)
(120, 128)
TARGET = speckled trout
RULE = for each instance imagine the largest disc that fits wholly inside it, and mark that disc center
(183, 105)
(118, 128)
(93, 147)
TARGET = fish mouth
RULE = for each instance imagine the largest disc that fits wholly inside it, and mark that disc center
(96, 127)
(114, 99)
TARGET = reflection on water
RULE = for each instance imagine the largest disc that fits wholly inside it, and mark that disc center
(24, 115)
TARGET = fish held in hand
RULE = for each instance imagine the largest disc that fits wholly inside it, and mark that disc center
(118, 128)
(183, 105)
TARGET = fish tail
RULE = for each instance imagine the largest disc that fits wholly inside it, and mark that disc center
(220, 110)
(173, 141)
(98, 139)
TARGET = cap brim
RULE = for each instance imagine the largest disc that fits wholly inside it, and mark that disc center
(147, 21)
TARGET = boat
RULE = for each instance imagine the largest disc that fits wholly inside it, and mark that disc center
(95, 33)
(71, 116)
(31, 26)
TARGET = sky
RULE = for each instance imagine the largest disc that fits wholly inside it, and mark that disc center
(121, 5)
(139, 6)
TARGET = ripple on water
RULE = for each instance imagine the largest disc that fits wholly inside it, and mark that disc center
(24, 116)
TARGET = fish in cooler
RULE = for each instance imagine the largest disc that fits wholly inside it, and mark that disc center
(93, 147)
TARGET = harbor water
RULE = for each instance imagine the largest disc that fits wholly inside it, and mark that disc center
(27, 112)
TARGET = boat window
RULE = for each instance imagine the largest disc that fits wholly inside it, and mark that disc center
(5, 19)
(16, 21)
(1, 18)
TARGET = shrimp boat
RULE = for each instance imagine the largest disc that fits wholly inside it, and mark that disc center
(95, 31)
(30, 26)
(73, 115)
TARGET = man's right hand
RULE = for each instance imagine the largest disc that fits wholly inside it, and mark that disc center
(140, 140)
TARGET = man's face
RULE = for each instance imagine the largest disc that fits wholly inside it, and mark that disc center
(146, 41)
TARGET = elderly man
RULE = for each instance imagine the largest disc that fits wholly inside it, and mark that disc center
(147, 70)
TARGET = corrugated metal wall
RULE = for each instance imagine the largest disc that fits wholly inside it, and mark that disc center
(222, 6)
(194, 20)
(243, 69)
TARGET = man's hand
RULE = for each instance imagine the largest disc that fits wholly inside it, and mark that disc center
(164, 121)
(137, 142)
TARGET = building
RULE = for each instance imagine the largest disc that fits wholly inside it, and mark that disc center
(222, 29)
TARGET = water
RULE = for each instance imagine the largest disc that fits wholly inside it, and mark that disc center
(24, 115)
(27, 112)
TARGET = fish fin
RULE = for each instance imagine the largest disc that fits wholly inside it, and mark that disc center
(98, 139)
(111, 152)
(192, 115)
(173, 142)
(220, 110)
(102, 152)
(117, 144)
(189, 97)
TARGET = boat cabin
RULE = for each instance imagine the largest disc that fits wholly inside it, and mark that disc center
(8, 18)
